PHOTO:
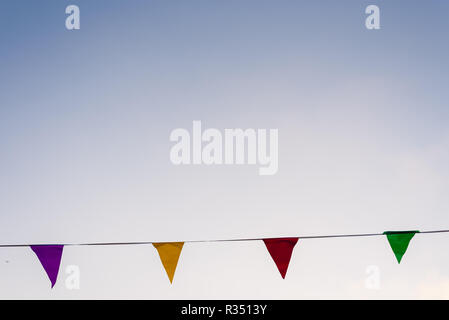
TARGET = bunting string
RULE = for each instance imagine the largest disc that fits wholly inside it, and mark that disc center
(280, 249)
(225, 240)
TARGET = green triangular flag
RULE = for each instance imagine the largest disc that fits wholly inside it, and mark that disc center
(399, 241)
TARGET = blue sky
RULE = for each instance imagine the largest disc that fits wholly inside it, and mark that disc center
(85, 119)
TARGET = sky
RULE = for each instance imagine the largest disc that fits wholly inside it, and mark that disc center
(86, 116)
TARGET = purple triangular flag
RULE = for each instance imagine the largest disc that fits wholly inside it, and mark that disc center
(50, 258)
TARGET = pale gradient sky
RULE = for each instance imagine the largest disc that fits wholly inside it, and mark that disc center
(85, 119)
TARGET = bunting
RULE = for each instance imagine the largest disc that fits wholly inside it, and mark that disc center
(50, 258)
(281, 250)
(399, 241)
(169, 253)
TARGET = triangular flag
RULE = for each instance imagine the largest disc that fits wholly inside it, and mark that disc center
(169, 253)
(50, 258)
(281, 251)
(399, 241)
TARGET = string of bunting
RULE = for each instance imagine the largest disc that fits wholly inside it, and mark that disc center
(280, 249)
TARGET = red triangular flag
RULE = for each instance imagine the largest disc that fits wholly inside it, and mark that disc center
(281, 250)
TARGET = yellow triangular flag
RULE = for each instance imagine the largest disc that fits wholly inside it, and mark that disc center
(169, 253)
